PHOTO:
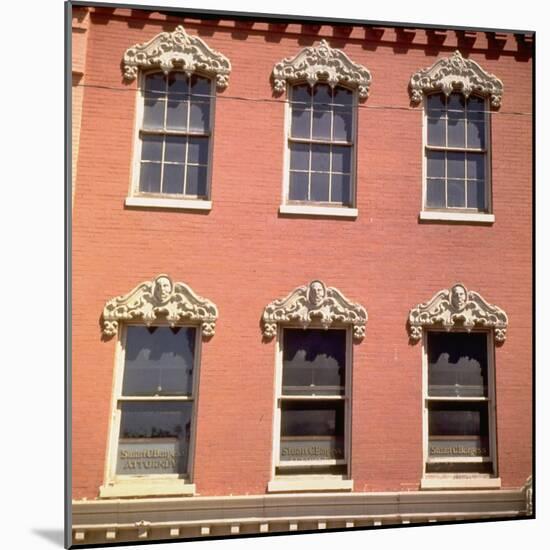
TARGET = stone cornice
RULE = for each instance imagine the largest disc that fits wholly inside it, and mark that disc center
(457, 308)
(322, 64)
(455, 73)
(160, 299)
(314, 304)
(177, 49)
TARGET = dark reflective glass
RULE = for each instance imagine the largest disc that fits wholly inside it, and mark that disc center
(178, 85)
(436, 164)
(476, 194)
(299, 156)
(151, 148)
(298, 186)
(456, 193)
(172, 179)
(456, 104)
(301, 122)
(200, 87)
(314, 361)
(308, 418)
(436, 131)
(158, 361)
(475, 165)
(301, 94)
(198, 150)
(199, 116)
(319, 187)
(176, 116)
(155, 83)
(196, 181)
(320, 158)
(341, 159)
(435, 103)
(343, 96)
(476, 133)
(322, 96)
(175, 148)
(458, 419)
(321, 124)
(457, 364)
(149, 177)
(456, 136)
(342, 124)
(435, 193)
(456, 167)
(153, 116)
(340, 188)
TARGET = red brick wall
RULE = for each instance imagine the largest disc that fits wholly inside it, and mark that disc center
(242, 254)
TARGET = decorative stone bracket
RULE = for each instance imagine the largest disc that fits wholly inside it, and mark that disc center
(322, 64)
(168, 50)
(457, 307)
(315, 304)
(160, 299)
(456, 73)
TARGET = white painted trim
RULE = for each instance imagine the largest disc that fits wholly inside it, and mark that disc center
(457, 216)
(296, 485)
(147, 488)
(460, 483)
(307, 210)
(182, 204)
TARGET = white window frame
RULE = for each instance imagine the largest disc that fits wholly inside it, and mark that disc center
(137, 198)
(313, 208)
(470, 479)
(308, 481)
(117, 485)
(458, 214)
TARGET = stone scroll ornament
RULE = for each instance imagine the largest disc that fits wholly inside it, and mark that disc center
(160, 299)
(315, 304)
(456, 73)
(322, 64)
(177, 49)
(457, 307)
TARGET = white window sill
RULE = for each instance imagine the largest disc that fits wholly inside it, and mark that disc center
(457, 216)
(303, 484)
(310, 210)
(147, 488)
(460, 483)
(182, 204)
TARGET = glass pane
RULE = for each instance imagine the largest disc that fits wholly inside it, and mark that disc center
(151, 148)
(154, 438)
(475, 164)
(436, 131)
(436, 164)
(175, 148)
(476, 133)
(319, 187)
(456, 166)
(340, 189)
(343, 96)
(159, 361)
(322, 96)
(198, 151)
(341, 159)
(200, 86)
(301, 122)
(457, 364)
(435, 104)
(320, 158)
(149, 177)
(456, 131)
(312, 430)
(172, 179)
(314, 361)
(196, 181)
(176, 117)
(199, 116)
(153, 114)
(342, 124)
(458, 429)
(435, 193)
(475, 104)
(298, 186)
(321, 124)
(155, 83)
(456, 193)
(301, 93)
(456, 105)
(299, 156)
(476, 194)
(178, 85)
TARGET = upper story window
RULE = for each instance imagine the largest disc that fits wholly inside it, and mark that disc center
(457, 144)
(173, 147)
(323, 87)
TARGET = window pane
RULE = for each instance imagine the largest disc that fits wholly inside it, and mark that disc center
(200, 86)
(312, 430)
(457, 364)
(301, 93)
(196, 181)
(321, 124)
(456, 193)
(178, 86)
(435, 103)
(299, 156)
(158, 361)
(342, 124)
(153, 115)
(436, 164)
(456, 104)
(436, 131)
(456, 166)
(475, 163)
(175, 149)
(320, 158)
(151, 148)
(154, 438)
(340, 189)
(172, 179)
(476, 194)
(341, 159)
(476, 133)
(298, 186)
(198, 151)
(155, 83)
(199, 116)
(320, 187)
(435, 193)
(176, 117)
(149, 177)
(456, 129)
(301, 121)
(343, 96)
(475, 104)
(322, 96)
(458, 429)
(314, 362)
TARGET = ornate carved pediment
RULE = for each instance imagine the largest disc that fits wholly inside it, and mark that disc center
(315, 304)
(457, 307)
(170, 50)
(160, 299)
(456, 73)
(322, 64)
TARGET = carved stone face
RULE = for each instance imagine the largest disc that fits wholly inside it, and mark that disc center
(163, 289)
(458, 297)
(316, 293)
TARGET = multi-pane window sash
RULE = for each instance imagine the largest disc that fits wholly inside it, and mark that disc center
(456, 152)
(175, 135)
(321, 136)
